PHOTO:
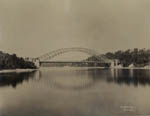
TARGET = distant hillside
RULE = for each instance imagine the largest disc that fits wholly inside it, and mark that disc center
(8, 61)
(138, 57)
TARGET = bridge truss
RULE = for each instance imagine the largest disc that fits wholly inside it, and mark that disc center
(52, 54)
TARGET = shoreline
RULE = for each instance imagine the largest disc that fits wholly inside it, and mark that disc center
(146, 68)
(16, 70)
(31, 70)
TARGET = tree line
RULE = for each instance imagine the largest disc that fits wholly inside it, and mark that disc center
(8, 61)
(138, 57)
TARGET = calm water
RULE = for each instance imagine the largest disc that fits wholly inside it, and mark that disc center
(75, 92)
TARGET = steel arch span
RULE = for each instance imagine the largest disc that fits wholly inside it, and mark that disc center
(52, 54)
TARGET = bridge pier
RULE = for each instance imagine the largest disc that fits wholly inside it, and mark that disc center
(114, 64)
(37, 62)
(95, 64)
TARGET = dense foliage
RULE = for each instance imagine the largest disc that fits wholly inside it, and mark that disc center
(138, 57)
(8, 61)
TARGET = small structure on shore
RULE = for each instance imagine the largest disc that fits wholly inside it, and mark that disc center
(120, 66)
(147, 67)
(131, 66)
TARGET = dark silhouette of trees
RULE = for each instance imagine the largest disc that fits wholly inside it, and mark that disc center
(138, 57)
(8, 61)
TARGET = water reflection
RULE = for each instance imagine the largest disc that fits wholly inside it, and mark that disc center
(130, 77)
(77, 79)
(72, 80)
(83, 79)
(13, 79)
(75, 92)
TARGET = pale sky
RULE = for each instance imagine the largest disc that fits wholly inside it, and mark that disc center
(35, 27)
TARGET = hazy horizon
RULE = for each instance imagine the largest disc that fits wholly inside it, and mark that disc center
(31, 28)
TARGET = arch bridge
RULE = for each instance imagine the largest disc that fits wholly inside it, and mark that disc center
(46, 58)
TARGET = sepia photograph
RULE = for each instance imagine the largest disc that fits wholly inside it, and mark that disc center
(74, 57)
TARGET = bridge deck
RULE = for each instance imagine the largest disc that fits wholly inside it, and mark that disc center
(74, 63)
(71, 62)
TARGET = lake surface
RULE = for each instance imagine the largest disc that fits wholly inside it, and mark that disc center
(75, 92)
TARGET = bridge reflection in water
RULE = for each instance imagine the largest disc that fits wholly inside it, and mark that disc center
(76, 79)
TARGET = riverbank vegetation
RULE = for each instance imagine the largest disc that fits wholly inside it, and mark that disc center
(137, 57)
(8, 61)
